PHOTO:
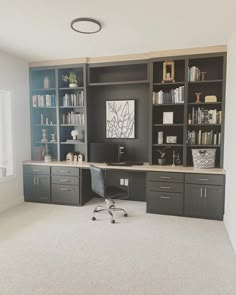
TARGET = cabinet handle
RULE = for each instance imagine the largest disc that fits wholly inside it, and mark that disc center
(201, 192)
(34, 180)
(38, 181)
(65, 189)
(64, 180)
(205, 195)
(164, 197)
(165, 187)
(205, 179)
(36, 170)
(166, 177)
(64, 171)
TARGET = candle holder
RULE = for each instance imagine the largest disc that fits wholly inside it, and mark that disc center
(198, 98)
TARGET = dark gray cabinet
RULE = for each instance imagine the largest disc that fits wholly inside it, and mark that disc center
(204, 196)
(37, 187)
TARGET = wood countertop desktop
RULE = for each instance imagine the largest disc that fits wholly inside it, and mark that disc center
(142, 168)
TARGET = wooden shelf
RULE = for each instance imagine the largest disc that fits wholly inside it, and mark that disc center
(44, 125)
(204, 145)
(168, 104)
(205, 103)
(71, 88)
(168, 83)
(167, 125)
(71, 107)
(167, 144)
(43, 89)
(206, 125)
(205, 81)
(119, 83)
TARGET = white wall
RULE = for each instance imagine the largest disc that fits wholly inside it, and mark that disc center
(14, 77)
(230, 143)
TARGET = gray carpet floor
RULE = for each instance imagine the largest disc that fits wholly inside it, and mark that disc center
(50, 249)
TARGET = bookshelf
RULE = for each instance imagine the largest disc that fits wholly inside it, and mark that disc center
(59, 110)
(197, 123)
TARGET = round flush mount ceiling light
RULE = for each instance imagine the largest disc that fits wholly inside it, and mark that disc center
(86, 25)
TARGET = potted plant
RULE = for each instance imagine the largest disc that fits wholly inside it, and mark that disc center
(71, 78)
(161, 160)
(45, 153)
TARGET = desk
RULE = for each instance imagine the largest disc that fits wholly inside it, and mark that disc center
(167, 190)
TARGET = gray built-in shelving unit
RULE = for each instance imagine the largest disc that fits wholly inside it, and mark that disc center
(130, 80)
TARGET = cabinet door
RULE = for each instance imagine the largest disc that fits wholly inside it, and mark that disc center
(30, 188)
(214, 198)
(194, 201)
(43, 184)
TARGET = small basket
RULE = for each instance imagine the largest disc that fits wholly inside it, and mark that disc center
(204, 158)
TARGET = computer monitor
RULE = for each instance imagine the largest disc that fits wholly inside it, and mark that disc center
(104, 152)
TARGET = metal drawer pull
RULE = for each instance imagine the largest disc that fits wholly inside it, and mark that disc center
(37, 181)
(201, 192)
(34, 180)
(164, 197)
(36, 170)
(65, 189)
(164, 187)
(64, 180)
(166, 177)
(64, 171)
(203, 179)
(205, 192)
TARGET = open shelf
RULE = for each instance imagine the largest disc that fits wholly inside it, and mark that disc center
(169, 83)
(43, 89)
(72, 88)
(205, 81)
(168, 104)
(44, 125)
(204, 103)
(204, 125)
(167, 144)
(64, 142)
(119, 83)
(204, 145)
(167, 125)
(71, 107)
(39, 142)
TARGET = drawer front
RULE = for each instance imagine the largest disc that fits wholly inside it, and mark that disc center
(165, 203)
(158, 186)
(65, 194)
(165, 176)
(36, 169)
(204, 179)
(73, 180)
(65, 171)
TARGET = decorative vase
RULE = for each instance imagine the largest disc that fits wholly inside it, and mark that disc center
(73, 85)
(161, 161)
(47, 158)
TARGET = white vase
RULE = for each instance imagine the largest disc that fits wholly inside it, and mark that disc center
(47, 158)
(73, 85)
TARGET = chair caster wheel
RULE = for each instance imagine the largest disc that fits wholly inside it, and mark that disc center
(93, 218)
(113, 221)
(125, 215)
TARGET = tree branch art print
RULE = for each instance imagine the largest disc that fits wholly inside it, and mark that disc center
(120, 119)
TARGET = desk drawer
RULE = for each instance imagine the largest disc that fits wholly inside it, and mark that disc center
(72, 180)
(165, 186)
(165, 203)
(36, 169)
(65, 194)
(165, 176)
(204, 179)
(65, 171)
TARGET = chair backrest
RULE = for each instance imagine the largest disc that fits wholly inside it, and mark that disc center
(97, 181)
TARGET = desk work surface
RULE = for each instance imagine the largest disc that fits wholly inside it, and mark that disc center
(142, 168)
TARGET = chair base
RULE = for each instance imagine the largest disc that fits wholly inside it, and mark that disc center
(110, 206)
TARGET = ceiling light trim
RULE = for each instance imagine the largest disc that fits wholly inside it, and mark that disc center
(86, 19)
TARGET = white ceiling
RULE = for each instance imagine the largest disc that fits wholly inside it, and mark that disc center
(40, 30)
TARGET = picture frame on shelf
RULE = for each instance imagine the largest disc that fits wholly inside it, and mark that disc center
(168, 118)
(171, 139)
(168, 71)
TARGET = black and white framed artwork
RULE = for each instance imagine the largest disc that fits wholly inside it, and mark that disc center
(120, 118)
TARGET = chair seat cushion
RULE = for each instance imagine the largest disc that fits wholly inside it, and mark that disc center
(114, 191)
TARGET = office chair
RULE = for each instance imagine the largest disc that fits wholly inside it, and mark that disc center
(107, 192)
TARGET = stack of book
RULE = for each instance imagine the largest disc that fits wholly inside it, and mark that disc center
(173, 96)
(204, 116)
(74, 99)
(73, 118)
(193, 74)
(46, 100)
(204, 138)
